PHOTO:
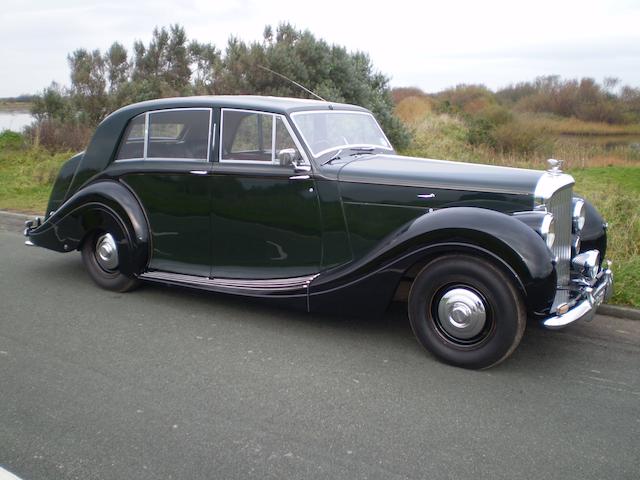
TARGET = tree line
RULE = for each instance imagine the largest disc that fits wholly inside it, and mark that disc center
(172, 65)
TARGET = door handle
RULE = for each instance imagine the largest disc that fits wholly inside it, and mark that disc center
(198, 172)
(300, 177)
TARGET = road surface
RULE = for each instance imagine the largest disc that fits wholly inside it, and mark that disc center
(167, 383)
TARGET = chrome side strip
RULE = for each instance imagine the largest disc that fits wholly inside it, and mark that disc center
(280, 284)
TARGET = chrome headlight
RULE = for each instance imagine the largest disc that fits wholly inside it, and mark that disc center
(548, 230)
(575, 245)
(587, 263)
(578, 215)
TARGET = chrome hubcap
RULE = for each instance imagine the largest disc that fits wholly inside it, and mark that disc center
(462, 313)
(107, 252)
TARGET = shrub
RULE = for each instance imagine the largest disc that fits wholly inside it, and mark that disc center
(412, 109)
(522, 139)
(10, 140)
(58, 136)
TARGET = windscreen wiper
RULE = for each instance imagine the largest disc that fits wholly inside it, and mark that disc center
(335, 157)
(361, 150)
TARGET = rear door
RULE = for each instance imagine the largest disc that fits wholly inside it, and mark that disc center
(164, 158)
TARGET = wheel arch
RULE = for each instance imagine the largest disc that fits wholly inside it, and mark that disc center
(505, 241)
(105, 205)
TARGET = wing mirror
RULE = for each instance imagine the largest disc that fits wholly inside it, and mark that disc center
(290, 157)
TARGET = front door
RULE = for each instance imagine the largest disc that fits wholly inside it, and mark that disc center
(164, 158)
(265, 216)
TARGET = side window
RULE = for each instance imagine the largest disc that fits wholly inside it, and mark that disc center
(179, 134)
(257, 137)
(132, 145)
(247, 136)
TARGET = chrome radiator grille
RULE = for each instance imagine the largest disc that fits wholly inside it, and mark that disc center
(560, 205)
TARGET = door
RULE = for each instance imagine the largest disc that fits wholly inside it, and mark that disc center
(164, 158)
(265, 215)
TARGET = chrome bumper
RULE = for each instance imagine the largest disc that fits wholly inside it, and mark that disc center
(585, 308)
(28, 226)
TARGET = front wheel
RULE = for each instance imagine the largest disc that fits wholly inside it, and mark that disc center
(101, 259)
(466, 311)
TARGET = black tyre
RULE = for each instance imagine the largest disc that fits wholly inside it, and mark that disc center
(466, 311)
(100, 258)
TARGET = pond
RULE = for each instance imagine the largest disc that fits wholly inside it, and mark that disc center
(14, 120)
(603, 142)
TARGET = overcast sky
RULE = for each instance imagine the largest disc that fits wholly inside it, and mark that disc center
(432, 45)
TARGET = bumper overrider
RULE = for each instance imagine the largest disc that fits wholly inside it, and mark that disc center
(593, 287)
(30, 225)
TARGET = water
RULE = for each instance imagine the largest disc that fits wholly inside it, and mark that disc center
(14, 120)
(603, 142)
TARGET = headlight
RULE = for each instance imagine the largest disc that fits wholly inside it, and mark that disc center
(578, 215)
(575, 245)
(587, 263)
(548, 230)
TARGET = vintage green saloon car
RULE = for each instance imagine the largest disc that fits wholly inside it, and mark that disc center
(306, 203)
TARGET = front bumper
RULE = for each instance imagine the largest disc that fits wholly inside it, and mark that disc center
(590, 298)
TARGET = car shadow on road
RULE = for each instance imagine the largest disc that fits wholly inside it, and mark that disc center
(539, 350)
(391, 329)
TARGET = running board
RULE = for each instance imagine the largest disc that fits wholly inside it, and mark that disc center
(221, 284)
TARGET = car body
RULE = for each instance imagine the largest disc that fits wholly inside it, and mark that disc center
(306, 203)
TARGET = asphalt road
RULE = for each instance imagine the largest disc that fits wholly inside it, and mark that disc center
(169, 383)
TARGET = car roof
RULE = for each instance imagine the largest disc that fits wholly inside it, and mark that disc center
(282, 105)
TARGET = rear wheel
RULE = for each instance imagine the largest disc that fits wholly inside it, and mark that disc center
(101, 259)
(466, 311)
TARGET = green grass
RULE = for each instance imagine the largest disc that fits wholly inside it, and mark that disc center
(26, 174)
(615, 191)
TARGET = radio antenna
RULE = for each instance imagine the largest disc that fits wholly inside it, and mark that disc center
(292, 81)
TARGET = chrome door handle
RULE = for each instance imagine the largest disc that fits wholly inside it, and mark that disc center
(300, 177)
(198, 172)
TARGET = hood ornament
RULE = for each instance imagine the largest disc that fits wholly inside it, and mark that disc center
(555, 166)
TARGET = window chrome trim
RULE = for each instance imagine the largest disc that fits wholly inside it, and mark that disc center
(275, 116)
(327, 150)
(145, 156)
(145, 146)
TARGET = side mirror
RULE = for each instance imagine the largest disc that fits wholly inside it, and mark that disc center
(287, 157)
(290, 157)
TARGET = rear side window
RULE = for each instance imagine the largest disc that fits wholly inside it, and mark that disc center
(170, 134)
(179, 134)
(132, 145)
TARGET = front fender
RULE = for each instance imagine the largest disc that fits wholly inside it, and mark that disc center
(372, 280)
(594, 233)
(104, 205)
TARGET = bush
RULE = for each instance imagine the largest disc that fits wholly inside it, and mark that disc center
(412, 109)
(58, 136)
(10, 140)
(519, 138)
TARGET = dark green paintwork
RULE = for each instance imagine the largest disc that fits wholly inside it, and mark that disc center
(241, 220)
(397, 170)
(263, 224)
(177, 207)
(381, 192)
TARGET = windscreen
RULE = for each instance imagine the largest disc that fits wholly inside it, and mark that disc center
(331, 130)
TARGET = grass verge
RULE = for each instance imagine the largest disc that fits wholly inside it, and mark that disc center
(615, 191)
(26, 174)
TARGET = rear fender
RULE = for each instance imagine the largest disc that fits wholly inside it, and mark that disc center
(101, 206)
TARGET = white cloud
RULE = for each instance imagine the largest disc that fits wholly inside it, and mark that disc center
(428, 44)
